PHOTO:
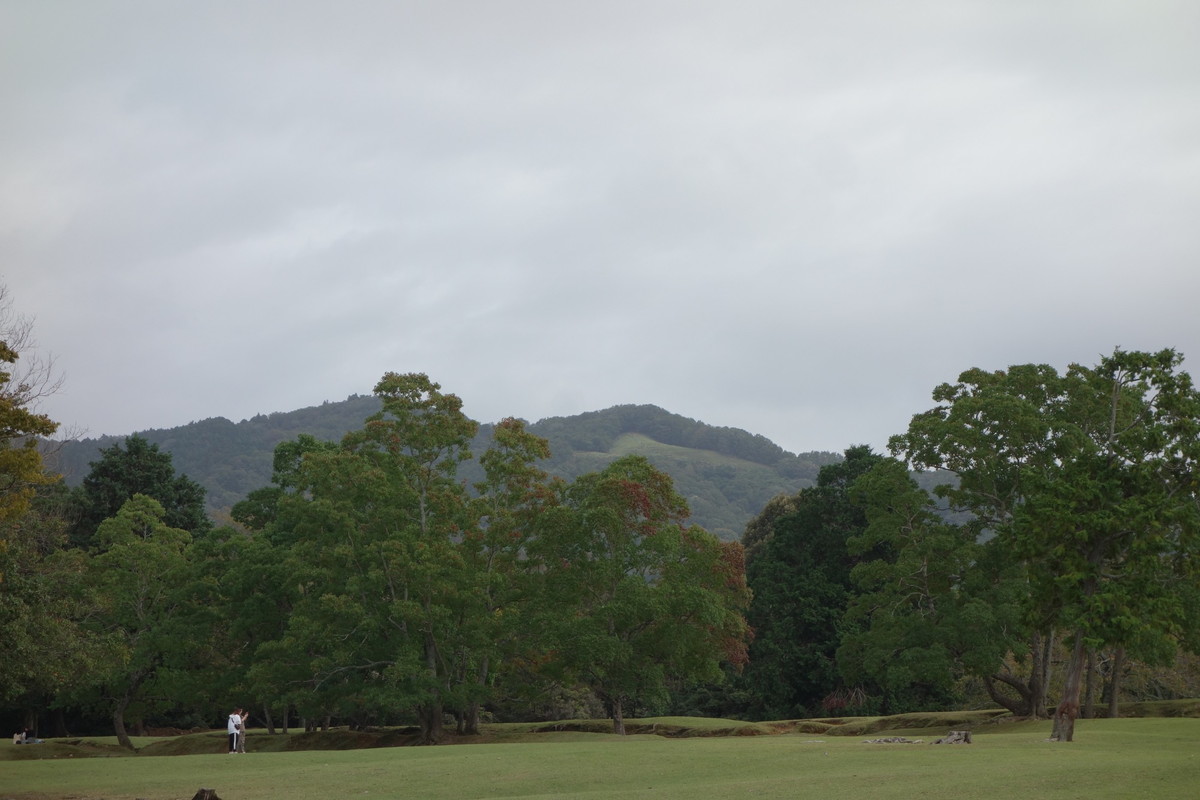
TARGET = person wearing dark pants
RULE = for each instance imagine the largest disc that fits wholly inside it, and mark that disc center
(234, 729)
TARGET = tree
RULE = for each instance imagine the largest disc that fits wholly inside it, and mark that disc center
(139, 468)
(240, 595)
(1087, 479)
(409, 593)
(760, 530)
(42, 649)
(800, 579)
(135, 581)
(924, 613)
(45, 651)
(374, 528)
(265, 654)
(512, 500)
(400, 591)
(636, 599)
(21, 468)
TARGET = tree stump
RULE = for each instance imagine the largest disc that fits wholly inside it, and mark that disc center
(955, 737)
(206, 794)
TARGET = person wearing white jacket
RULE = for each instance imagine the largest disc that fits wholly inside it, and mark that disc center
(235, 730)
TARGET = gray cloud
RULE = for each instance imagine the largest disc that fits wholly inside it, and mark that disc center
(794, 218)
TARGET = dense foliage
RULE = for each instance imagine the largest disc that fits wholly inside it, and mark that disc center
(1068, 532)
(137, 466)
(800, 577)
(416, 567)
(368, 584)
(1087, 481)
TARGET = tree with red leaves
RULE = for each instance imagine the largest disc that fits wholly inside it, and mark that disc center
(651, 600)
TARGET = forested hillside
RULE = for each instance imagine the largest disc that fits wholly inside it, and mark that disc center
(228, 459)
(726, 474)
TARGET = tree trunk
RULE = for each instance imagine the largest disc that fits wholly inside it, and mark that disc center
(1031, 688)
(58, 725)
(287, 710)
(430, 715)
(1042, 648)
(1019, 706)
(268, 720)
(1068, 709)
(1089, 692)
(1114, 684)
(470, 725)
(618, 716)
(430, 718)
(118, 718)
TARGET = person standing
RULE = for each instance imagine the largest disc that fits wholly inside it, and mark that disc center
(234, 729)
(241, 743)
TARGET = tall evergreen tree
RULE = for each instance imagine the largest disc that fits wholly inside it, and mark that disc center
(800, 579)
(139, 467)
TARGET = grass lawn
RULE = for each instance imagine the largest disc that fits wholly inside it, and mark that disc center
(1122, 758)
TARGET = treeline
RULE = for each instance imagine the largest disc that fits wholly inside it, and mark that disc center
(1069, 561)
(424, 568)
(366, 585)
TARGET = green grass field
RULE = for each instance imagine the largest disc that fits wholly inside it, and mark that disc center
(1121, 758)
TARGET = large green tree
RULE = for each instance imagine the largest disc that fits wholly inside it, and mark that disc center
(45, 650)
(377, 525)
(396, 591)
(512, 502)
(927, 610)
(264, 578)
(1088, 480)
(42, 650)
(800, 579)
(636, 598)
(137, 581)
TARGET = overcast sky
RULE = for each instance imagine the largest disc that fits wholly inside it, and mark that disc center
(791, 217)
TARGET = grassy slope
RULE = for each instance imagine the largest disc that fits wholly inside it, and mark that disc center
(1123, 758)
(722, 505)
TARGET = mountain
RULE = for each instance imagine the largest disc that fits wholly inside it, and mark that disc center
(726, 474)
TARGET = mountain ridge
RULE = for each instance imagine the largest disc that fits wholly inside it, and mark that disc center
(230, 459)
